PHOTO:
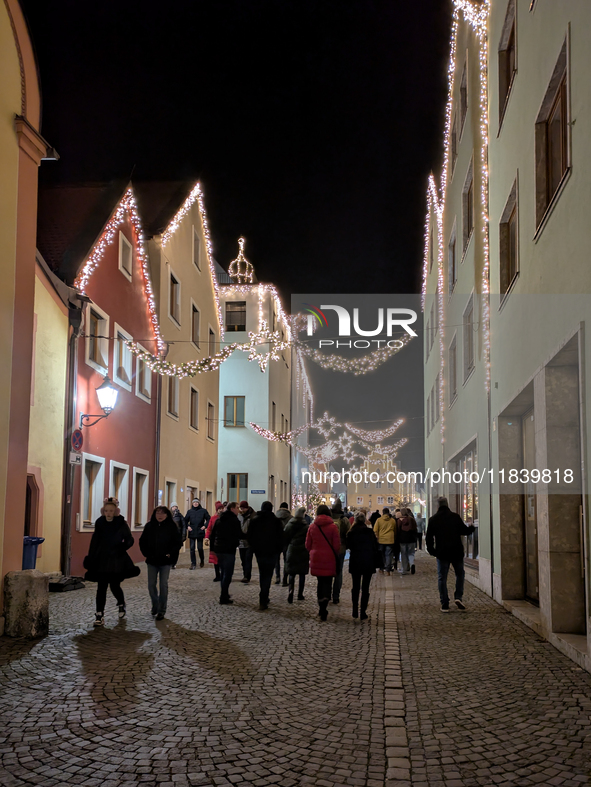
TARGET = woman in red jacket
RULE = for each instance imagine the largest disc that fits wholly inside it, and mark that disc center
(213, 558)
(323, 543)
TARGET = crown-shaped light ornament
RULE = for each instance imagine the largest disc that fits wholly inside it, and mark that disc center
(241, 270)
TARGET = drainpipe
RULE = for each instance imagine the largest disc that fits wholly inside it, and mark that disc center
(490, 501)
(158, 423)
(75, 324)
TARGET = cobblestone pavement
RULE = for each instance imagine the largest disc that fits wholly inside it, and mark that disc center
(213, 695)
(487, 701)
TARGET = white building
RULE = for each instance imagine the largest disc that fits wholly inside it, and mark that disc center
(251, 467)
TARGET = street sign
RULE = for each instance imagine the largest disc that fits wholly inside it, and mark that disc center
(75, 459)
(257, 491)
(77, 440)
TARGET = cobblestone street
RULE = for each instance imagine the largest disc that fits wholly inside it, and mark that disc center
(228, 695)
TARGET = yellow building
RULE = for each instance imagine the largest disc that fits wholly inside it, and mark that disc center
(21, 151)
(185, 284)
(45, 493)
(380, 483)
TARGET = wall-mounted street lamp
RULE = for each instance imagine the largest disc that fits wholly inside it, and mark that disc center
(107, 395)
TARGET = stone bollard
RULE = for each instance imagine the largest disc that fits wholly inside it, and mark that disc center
(26, 604)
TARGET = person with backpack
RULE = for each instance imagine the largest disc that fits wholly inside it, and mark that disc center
(265, 536)
(196, 520)
(385, 530)
(363, 560)
(343, 524)
(407, 540)
(323, 542)
(107, 562)
(297, 559)
(224, 538)
(160, 543)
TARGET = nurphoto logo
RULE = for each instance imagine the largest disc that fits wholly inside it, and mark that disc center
(387, 319)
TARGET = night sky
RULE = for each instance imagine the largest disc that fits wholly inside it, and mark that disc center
(313, 124)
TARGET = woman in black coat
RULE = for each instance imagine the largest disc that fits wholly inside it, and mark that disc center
(107, 562)
(160, 543)
(297, 559)
(364, 558)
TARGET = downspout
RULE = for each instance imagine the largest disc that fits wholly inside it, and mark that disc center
(75, 324)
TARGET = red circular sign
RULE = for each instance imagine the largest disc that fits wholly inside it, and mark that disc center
(77, 440)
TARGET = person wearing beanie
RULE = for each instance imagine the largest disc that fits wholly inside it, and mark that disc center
(265, 536)
(323, 542)
(297, 560)
(244, 548)
(225, 536)
(196, 520)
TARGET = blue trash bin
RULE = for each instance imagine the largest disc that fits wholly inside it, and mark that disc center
(30, 544)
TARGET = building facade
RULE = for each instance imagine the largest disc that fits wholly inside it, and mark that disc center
(251, 467)
(21, 150)
(186, 290)
(527, 415)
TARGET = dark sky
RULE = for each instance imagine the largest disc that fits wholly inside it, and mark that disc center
(313, 124)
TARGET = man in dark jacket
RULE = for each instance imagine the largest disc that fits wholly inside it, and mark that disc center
(196, 520)
(224, 539)
(265, 536)
(444, 541)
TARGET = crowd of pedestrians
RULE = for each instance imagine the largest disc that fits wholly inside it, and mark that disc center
(317, 547)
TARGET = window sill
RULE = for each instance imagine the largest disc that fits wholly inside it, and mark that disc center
(211, 439)
(196, 346)
(235, 426)
(143, 397)
(503, 111)
(197, 267)
(174, 321)
(97, 367)
(125, 273)
(193, 429)
(552, 204)
(467, 246)
(172, 415)
(505, 296)
(453, 401)
(122, 383)
(469, 375)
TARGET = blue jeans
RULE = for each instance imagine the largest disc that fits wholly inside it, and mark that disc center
(387, 550)
(407, 552)
(338, 580)
(226, 565)
(159, 600)
(442, 572)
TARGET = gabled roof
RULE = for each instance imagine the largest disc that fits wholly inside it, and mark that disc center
(69, 221)
(159, 201)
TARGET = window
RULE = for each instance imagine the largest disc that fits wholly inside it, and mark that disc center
(427, 341)
(170, 493)
(234, 410)
(431, 249)
(122, 358)
(119, 486)
(463, 496)
(378, 484)
(286, 426)
(507, 59)
(195, 325)
(97, 338)
(273, 416)
(174, 298)
(272, 489)
(125, 256)
(194, 408)
(390, 500)
(139, 504)
(173, 397)
(211, 343)
(390, 484)
(464, 95)
(552, 139)
(453, 374)
(236, 315)
(454, 143)
(209, 501)
(143, 379)
(469, 339)
(437, 399)
(433, 407)
(508, 242)
(210, 421)
(452, 261)
(196, 250)
(468, 207)
(93, 488)
(366, 485)
(379, 500)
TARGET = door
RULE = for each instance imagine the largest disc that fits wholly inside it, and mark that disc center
(237, 487)
(529, 515)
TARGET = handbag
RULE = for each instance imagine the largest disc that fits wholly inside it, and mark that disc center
(336, 557)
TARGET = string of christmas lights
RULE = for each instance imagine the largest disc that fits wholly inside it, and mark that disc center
(160, 366)
(196, 195)
(126, 207)
(356, 366)
(241, 269)
(378, 435)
